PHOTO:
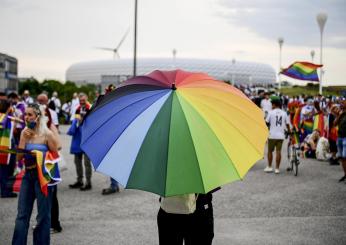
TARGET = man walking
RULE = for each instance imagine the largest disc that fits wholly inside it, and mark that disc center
(278, 121)
(74, 131)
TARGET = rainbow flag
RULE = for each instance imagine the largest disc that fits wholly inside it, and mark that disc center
(5, 137)
(47, 166)
(295, 138)
(302, 71)
(319, 123)
(308, 126)
(296, 119)
(47, 169)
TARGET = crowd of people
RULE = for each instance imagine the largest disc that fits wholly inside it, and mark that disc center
(316, 124)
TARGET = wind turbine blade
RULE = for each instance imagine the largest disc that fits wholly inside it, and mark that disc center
(122, 40)
(102, 48)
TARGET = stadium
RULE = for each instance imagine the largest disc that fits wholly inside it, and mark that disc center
(105, 72)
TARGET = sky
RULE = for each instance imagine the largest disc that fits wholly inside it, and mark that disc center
(47, 36)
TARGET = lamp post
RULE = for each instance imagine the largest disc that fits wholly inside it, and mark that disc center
(312, 53)
(281, 42)
(321, 20)
(174, 52)
(135, 44)
(233, 71)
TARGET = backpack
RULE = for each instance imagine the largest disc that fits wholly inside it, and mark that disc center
(182, 204)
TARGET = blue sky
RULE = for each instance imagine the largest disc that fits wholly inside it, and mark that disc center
(47, 36)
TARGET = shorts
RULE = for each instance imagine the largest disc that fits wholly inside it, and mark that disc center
(274, 143)
(342, 147)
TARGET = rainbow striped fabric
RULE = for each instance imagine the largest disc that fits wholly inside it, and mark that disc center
(302, 71)
(5, 137)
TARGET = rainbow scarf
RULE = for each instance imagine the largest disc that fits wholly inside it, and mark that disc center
(302, 70)
(5, 137)
(46, 165)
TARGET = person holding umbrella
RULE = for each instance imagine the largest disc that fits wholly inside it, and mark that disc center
(172, 133)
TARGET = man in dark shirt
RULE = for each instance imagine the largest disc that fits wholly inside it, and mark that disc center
(340, 121)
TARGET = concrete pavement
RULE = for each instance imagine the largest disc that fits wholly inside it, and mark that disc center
(261, 209)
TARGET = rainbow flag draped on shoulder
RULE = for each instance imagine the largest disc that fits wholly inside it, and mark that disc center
(47, 169)
(6, 131)
(46, 165)
(302, 70)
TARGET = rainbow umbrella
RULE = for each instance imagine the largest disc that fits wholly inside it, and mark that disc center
(174, 132)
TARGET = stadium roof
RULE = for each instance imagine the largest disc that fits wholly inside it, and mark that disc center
(242, 72)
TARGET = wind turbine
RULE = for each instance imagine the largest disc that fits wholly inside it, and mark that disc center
(116, 50)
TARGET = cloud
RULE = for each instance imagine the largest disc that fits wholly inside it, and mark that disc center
(294, 20)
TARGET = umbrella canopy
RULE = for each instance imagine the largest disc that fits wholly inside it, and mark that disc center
(174, 132)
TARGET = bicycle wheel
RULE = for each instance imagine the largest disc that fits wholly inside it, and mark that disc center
(296, 163)
(289, 157)
(289, 151)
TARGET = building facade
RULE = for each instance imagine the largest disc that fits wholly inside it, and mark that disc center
(8, 73)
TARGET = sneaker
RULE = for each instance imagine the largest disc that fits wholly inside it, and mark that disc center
(277, 171)
(55, 230)
(268, 170)
(343, 178)
(85, 187)
(76, 185)
(109, 190)
(333, 161)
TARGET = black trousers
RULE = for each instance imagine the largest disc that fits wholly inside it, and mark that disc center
(55, 223)
(193, 229)
(203, 225)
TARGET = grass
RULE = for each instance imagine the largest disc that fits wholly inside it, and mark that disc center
(312, 89)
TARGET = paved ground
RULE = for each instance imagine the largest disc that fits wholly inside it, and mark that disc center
(262, 209)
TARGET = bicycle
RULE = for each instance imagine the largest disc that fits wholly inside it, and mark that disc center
(293, 151)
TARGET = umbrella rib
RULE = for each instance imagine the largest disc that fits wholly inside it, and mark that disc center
(122, 110)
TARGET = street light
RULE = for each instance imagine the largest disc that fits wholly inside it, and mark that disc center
(281, 42)
(233, 71)
(312, 53)
(321, 20)
(135, 44)
(174, 52)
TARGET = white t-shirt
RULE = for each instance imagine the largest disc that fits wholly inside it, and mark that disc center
(278, 120)
(266, 106)
(54, 116)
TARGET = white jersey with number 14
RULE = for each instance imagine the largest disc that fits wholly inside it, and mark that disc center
(278, 120)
